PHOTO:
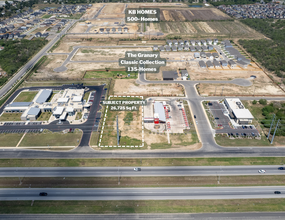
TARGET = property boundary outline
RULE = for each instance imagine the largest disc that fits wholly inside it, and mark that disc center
(102, 130)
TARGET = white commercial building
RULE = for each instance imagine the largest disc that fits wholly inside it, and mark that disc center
(238, 112)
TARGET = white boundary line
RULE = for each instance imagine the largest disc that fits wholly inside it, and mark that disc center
(105, 116)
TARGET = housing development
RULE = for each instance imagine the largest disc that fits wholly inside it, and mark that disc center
(131, 107)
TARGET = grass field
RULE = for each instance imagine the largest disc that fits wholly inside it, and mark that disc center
(94, 138)
(46, 16)
(223, 140)
(110, 74)
(151, 181)
(11, 117)
(44, 116)
(9, 140)
(78, 116)
(230, 161)
(52, 139)
(137, 206)
(25, 97)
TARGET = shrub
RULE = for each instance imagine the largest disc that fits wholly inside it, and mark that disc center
(263, 101)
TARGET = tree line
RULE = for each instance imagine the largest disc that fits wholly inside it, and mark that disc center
(270, 53)
(16, 53)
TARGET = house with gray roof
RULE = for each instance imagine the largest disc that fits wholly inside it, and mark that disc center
(224, 63)
(174, 48)
(202, 64)
(209, 64)
(192, 48)
(232, 63)
(169, 75)
(216, 63)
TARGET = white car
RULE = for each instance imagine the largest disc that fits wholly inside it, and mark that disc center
(137, 169)
(261, 171)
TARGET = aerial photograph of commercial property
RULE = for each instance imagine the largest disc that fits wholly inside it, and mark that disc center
(142, 109)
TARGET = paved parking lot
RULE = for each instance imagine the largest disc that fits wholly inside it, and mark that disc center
(217, 109)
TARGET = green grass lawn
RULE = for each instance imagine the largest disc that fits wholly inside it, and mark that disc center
(11, 117)
(86, 95)
(226, 141)
(9, 140)
(138, 206)
(110, 74)
(78, 115)
(46, 16)
(126, 162)
(94, 138)
(44, 116)
(52, 139)
(25, 97)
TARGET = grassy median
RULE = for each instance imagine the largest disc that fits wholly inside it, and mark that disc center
(164, 181)
(229, 161)
(160, 206)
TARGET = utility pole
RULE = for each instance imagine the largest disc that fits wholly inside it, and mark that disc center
(118, 135)
(222, 91)
(275, 131)
(271, 126)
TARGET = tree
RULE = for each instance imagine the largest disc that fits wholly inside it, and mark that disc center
(263, 101)
(254, 102)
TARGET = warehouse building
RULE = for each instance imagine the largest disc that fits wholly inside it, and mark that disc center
(238, 112)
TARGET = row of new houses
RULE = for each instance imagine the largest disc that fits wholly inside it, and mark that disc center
(182, 47)
(217, 64)
(269, 10)
(235, 54)
(108, 30)
(192, 42)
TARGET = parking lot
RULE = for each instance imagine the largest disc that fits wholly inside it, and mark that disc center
(20, 131)
(222, 120)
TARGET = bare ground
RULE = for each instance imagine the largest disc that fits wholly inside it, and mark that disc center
(130, 87)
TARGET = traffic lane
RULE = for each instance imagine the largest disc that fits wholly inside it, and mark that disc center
(142, 193)
(145, 171)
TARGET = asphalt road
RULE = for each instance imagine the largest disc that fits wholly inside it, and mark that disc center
(145, 171)
(153, 216)
(176, 193)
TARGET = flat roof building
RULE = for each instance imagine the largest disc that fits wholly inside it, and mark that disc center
(237, 111)
(43, 96)
(159, 112)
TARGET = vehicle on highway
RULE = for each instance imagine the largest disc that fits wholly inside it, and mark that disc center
(280, 168)
(220, 125)
(261, 171)
(43, 194)
(194, 116)
(250, 127)
(242, 127)
(137, 169)
(277, 192)
(217, 118)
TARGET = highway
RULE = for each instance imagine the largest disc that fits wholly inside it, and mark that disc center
(153, 216)
(177, 193)
(145, 171)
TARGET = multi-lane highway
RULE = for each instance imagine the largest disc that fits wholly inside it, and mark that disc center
(145, 171)
(153, 216)
(142, 193)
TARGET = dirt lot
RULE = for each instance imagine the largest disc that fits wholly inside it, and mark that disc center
(209, 29)
(130, 87)
(103, 54)
(192, 14)
(113, 11)
(80, 27)
(67, 43)
(230, 89)
(46, 69)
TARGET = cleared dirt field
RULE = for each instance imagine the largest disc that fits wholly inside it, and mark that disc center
(192, 14)
(207, 29)
(130, 87)
(206, 89)
(84, 54)
(45, 71)
(80, 27)
(113, 11)
(67, 43)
